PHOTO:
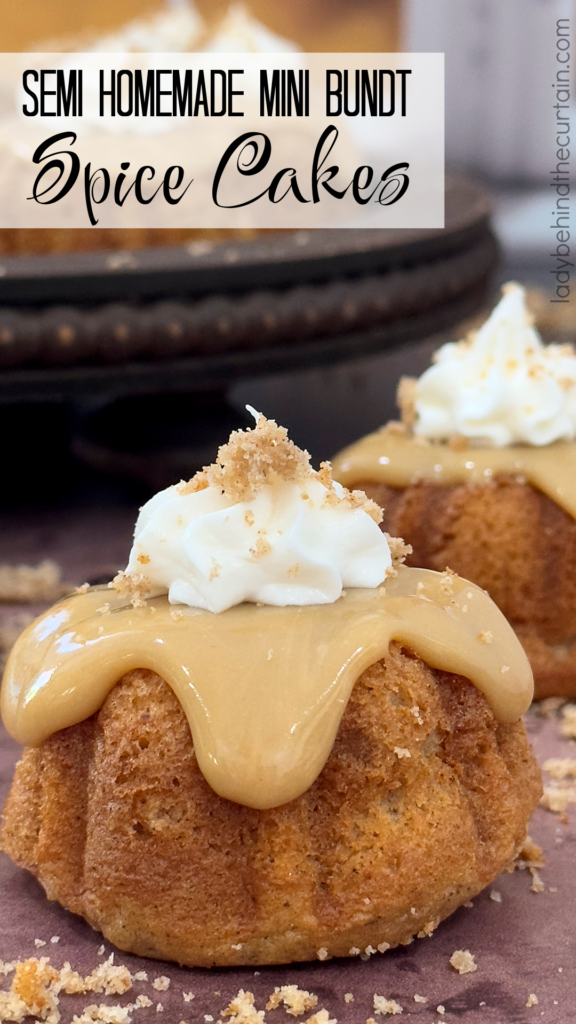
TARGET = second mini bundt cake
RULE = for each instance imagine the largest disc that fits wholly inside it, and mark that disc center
(481, 476)
(514, 542)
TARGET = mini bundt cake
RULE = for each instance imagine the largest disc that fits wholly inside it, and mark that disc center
(115, 819)
(481, 476)
(231, 759)
(512, 541)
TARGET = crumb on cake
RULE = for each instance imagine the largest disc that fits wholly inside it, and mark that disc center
(406, 400)
(399, 551)
(252, 458)
(485, 637)
(134, 585)
(249, 460)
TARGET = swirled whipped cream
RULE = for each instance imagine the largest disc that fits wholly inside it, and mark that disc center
(259, 525)
(500, 386)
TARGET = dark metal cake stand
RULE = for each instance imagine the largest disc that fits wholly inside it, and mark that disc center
(91, 329)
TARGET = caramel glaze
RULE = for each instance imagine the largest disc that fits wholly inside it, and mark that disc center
(263, 688)
(400, 460)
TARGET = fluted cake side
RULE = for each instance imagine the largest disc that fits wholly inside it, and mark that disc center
(425, 798)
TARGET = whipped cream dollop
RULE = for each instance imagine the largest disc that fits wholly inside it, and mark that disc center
(502, 385)
(260, 525)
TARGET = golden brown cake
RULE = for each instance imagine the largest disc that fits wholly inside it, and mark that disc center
(117, 822)
(267, 740)
(512, 541)
(480, 476)
(42, 241)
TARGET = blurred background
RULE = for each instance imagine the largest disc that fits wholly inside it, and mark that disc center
(125, 361)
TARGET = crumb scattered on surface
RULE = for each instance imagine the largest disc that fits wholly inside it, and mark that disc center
(241, 1010)
(548, 708)
(348, 997)
(10, 630)
(161, 984)
(561, 767)
(537, 883)
(37, 986)
(441, 1010)
(530, 857)
(463, 961)
(496, 896)
(420, 999)
(321, 1017)
(532, 1000)
(142, 1001)
(529, 854)
(28, 584)
(556, 798)
(562, 790)
(295, 1000)
(386, 1006)
(106, 1014)
(188, 997)
(568, 725)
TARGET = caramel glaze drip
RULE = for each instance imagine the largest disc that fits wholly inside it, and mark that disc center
(399, 460)
(263, 688)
